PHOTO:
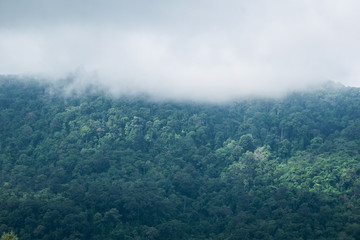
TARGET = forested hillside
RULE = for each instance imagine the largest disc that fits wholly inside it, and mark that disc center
(95, 167)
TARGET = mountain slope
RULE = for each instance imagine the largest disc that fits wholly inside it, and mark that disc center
(92, 167)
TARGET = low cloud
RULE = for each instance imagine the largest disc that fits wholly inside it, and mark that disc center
(207, 51)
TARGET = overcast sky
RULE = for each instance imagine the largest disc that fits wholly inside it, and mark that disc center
(197, 50)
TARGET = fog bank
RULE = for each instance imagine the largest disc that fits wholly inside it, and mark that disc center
(192, 50)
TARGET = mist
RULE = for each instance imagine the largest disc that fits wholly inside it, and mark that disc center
(187, 50)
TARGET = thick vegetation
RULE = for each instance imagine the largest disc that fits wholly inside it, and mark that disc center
(94, 167)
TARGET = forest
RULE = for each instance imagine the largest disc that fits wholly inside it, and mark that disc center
(93, 166)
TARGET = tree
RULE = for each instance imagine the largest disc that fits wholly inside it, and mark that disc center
(247, 142)
(9, 236)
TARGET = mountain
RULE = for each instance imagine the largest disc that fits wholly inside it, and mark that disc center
(91, 166)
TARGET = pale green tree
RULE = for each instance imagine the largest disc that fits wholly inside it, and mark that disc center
(9, 236)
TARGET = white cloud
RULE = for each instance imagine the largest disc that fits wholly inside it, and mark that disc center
(208, 50)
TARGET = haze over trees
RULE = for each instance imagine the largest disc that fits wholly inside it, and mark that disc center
(95, 167)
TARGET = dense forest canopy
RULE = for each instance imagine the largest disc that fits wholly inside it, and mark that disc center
(95, 167)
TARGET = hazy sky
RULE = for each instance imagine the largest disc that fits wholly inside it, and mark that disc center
(206, 50)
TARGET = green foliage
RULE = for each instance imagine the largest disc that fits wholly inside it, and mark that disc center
(9, 236)
(94, 167)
